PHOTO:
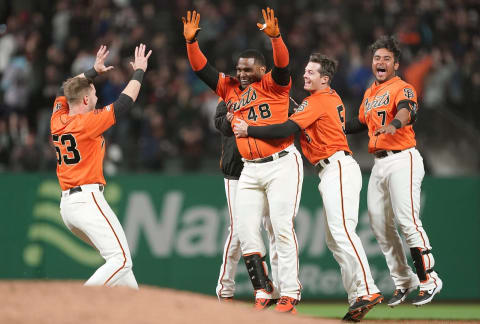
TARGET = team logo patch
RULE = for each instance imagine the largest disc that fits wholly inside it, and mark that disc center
(108, 107)
(302, 106)
(58, 105)
(408, 93)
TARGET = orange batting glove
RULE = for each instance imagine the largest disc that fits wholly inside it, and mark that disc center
(270, 27)
(190, 26)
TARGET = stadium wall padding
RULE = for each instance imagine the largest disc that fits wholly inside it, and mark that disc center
(176, 228)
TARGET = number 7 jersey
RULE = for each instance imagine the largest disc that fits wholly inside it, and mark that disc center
(379, 107)
(79, 144)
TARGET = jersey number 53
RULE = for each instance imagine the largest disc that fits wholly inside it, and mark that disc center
(70, 144)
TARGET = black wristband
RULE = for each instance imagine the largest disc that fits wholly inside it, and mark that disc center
(191, 41)
(396, 123)
(91, 74)
(138, 75)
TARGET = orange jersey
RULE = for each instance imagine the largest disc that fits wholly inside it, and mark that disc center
(379, 107)
(79, 143)
(261, 103)
(321, 116)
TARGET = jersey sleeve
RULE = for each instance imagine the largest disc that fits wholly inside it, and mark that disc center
(269, 84)
(60, 103)
(407, 92)
(222, 86)
(361, 110)
(306, 114)
(98, 121)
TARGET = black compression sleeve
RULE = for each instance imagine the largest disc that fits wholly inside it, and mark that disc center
(209, 75)
(354, 126)
(90, 74)
(281, 76)
(123, 104)
(273, 131)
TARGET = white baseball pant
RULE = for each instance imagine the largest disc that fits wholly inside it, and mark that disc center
(232, 251)
(88, 215)
(279, 183)
(394, 197)
(340, 185)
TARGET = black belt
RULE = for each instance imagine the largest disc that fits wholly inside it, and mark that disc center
(79, 189)
(269, 158)
(319, 166)
(383, 153)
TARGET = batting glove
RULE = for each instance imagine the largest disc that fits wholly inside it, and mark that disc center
(190, 26)
(270, 27)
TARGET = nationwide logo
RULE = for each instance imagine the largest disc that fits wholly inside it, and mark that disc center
(302, 106)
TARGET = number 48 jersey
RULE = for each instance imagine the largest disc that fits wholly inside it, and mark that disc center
(261, 103)
(79, 143)
(321, 116)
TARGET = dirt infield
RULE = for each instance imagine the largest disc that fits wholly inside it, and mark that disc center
(52, 302)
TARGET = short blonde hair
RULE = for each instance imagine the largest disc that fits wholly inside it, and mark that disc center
(76, 88)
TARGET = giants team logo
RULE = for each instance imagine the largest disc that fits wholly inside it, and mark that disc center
(408, 93)
(378, 101)
(247, 97)
(302, 106)
(58, 105)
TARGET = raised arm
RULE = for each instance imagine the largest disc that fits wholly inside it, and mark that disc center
(206, 72)
(280, 71)
(98, 68)
(130, 93)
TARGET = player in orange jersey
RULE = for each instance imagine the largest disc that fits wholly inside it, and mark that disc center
(321, 119)
(77, 128)
(273, 169)
(388, 111)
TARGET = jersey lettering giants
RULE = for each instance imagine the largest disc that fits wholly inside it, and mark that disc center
(79, 143)
(379, 107)
(261, 103)
(321, 117)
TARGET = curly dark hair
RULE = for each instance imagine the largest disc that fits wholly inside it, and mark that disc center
(388, 42)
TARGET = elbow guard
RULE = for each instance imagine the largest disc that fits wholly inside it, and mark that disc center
(412, 107)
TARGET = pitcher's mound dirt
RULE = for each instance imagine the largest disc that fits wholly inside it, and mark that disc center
(68, 302)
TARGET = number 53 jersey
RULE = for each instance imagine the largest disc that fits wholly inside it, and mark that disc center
(379, 107)
(321, 116)
(79, 144)
(261, 103)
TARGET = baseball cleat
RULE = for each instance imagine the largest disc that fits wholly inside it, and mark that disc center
(361, 307)
(264, 303)
(426, 296)
(286, 305)
(399, 296)
(225, 299)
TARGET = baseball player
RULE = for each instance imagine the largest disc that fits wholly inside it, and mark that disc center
(388, 111)
(77, 128)
(273, 170)
(231, 164)
(321, 119)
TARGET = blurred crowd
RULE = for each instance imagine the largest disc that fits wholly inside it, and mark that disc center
(43, 42)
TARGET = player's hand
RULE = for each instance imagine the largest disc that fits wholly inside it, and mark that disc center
(240, 128)
(140, 60)
(229, 116)
(387, 129)
(270, 27)
(190, 25)
(99, 64)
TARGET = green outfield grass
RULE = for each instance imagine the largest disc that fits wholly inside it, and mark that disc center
(437, 311)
